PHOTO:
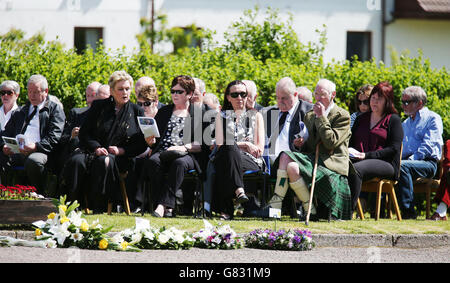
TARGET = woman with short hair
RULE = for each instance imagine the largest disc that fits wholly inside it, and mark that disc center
(9, 90)
(109, 138)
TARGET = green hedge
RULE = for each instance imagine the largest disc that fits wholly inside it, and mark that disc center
(69, 73)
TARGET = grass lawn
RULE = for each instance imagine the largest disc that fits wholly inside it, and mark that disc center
(242, 225)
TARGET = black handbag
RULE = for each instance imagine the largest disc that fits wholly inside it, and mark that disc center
(170, 155)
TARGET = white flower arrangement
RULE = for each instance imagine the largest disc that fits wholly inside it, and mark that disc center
(221, 237)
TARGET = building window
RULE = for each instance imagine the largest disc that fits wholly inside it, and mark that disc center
(85, 37)
(359, 43)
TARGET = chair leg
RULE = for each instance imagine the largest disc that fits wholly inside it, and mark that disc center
(110, 204)
(360, 210)
(394, 201)
(124, 194)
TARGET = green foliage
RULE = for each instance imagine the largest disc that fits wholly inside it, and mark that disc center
(260, 51)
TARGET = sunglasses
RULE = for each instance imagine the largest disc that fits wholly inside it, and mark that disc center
(236, 94)
(4, 92)
(365, 102)
(407, 102)
(175, 91)
(146, 103)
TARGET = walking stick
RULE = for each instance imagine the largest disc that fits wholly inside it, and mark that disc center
(313, 183)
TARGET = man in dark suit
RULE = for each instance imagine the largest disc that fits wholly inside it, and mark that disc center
(282, 125)
(41, 121)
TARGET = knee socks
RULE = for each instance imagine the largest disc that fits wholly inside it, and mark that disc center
(281, 187)
(302, 192)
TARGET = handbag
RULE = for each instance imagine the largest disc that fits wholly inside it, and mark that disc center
(170, 155)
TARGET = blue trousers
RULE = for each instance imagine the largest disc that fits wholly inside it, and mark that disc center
(409, 171)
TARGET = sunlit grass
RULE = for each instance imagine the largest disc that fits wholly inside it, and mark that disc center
(242, 225)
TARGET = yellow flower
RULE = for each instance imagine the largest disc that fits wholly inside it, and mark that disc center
(37, 232)
(84, 226)
(51, 215)
(103, 244)
(62, 207)
(124, 245)
(64, 219)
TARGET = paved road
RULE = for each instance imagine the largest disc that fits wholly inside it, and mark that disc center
(317, 255)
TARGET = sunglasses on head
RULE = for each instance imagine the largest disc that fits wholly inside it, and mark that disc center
(4, 92)
(236, 94)
(146, 103)
(407, 102)
(176, 91)
(365, 102)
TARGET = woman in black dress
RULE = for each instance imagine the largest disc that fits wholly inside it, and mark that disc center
(109, 138)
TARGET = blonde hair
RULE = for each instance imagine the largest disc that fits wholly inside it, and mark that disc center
(119, 76)
(148, 93)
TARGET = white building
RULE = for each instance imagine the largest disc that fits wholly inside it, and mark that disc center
(364, 27)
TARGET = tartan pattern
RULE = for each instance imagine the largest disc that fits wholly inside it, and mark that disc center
(331, 188)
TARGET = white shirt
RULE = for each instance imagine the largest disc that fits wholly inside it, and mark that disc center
(282, 142)
(4, 118)
(32, 133)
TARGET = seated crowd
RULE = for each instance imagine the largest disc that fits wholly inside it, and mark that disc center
(296, 141)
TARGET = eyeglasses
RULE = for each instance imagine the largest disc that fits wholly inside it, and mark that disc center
(365, 102)
(176, 91)
(236, 94)
(146, 103)
(8, 92)
(407, 102)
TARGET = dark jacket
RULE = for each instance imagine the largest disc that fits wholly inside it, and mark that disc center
(103, 128)
(75, 118)
(270, 115)
(51, 125)
(197, 124)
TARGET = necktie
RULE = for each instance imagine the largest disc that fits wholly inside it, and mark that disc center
(28, 119)
(282, 121)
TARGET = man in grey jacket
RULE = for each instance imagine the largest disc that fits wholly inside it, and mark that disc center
(40, 124)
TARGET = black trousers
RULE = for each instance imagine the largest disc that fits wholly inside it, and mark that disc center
(163, 190)
(230, 163)
(365, 170)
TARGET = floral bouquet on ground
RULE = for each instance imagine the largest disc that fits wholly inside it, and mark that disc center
(222, 237)
(68, 228)
(19, 192)
(294, 240)
(144, 236)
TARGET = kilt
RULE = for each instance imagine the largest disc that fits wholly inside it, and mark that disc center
(331, 188)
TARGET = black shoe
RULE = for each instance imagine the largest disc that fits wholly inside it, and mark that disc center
(169, 213)
(241, 198)
(156, 214)
(261, 213)
(409, 214)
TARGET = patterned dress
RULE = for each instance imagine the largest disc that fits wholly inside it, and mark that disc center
(174, 133)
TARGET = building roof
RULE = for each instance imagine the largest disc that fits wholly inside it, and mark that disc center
(425, 9)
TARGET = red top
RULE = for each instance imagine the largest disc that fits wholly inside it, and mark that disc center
(366, 139)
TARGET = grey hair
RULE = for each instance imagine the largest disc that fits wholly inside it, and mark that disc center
(416, 93)
(201, 85)
(38, 79)
(119, 76)
(12, 84)
(214, 99)
(251, 87)
(287, 85)
(328, 85)
(304, 93)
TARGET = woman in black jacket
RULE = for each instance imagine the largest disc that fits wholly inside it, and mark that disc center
(179, 149)
(109, 137)
(376, 140)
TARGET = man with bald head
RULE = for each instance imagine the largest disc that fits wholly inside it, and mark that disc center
(283, 121)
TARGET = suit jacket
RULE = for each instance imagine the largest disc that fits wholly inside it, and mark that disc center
(270, 115)
(258, 107)
(75, 118)
(51, 125)
(334, 134)
(103, 128)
